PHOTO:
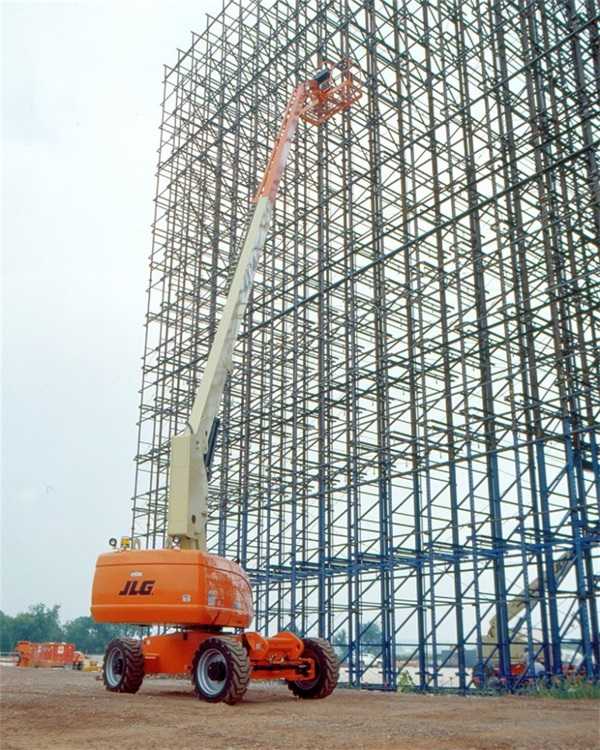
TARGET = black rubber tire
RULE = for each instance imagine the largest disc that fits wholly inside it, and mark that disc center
(328, 670)
(129, 651)
(237, 671)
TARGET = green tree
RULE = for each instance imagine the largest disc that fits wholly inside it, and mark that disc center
(371, 637)
(7, 632)
(92, 637)
(340, 644)
(39, 623)
(370, 640)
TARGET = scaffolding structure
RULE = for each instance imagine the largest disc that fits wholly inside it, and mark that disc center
(410, 439)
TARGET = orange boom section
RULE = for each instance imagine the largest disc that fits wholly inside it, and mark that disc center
(171, 587)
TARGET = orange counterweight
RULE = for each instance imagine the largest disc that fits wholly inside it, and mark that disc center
(171, 587)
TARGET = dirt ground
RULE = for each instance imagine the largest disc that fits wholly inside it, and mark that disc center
(44, 708)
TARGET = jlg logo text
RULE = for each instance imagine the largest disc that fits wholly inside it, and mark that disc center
(131, 588)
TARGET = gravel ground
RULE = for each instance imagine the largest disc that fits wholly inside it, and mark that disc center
(44, 708)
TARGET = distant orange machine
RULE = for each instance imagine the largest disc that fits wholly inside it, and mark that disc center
(49, 654)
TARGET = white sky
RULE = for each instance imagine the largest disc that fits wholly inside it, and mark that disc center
(81, 92)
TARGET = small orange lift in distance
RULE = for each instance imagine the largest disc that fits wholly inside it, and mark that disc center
(48, 654)
(182, 586)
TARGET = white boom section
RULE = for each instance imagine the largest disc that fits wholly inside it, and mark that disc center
(528, 597)
(188, 485)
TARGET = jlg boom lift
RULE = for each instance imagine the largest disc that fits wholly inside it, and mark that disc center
(489, 672)
(183, 586)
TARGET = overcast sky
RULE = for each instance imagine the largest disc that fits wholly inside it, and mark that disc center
(81, 91)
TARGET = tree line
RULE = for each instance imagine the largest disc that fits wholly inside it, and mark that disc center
(41, 624)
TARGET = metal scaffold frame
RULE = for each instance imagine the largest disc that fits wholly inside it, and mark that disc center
(410, 438)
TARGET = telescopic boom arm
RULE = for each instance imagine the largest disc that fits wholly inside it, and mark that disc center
(315, 101)
(529, 597)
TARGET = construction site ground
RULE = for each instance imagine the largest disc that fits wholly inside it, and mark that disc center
(55, 708)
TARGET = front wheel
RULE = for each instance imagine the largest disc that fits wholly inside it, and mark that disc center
(327, 669)
(221, 671)
(123, 668)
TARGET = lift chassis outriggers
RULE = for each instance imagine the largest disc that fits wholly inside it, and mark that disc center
(183, 586)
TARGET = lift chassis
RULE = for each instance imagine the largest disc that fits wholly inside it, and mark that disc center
(222, 665)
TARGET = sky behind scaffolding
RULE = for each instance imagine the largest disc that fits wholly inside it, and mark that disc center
(81, 91)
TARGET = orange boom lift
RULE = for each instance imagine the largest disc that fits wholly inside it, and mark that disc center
(183, 586)
(48, 654)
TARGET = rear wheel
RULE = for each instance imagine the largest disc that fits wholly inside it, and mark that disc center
(221, 671)
(327, 669)
(123, 669)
